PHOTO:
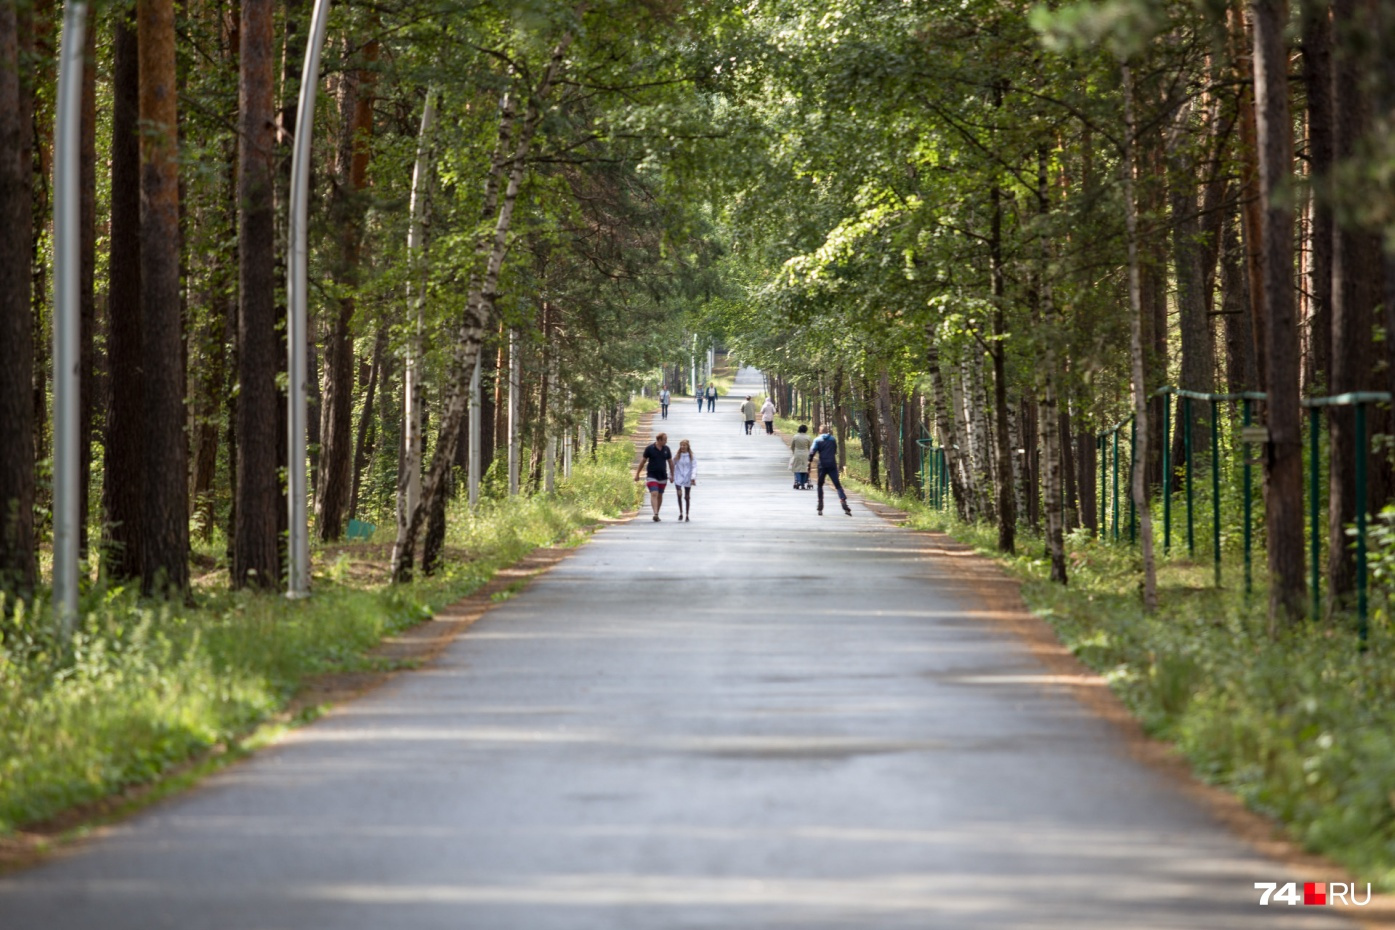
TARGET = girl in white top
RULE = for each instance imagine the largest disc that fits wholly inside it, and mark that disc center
(684, 477)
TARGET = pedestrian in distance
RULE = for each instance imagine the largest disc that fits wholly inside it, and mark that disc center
(825, 449)
(698, 392)
(684, 477)
(748, 413)
(654, 463)
(664, 398)
(711, 397)
(799, 458)
(767, 413)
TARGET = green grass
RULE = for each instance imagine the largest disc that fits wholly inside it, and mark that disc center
(1301, 727)
(146, 685)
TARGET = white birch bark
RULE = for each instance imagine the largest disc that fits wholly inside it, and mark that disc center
(479, 313)
(515, 428)
(975, 413)
(965, 454)
(1140, 387)
(409, 481)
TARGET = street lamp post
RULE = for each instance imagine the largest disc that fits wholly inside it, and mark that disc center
(67, 317)
(297, 283)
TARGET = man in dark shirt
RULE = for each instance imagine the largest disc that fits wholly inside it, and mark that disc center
(655, 462)
(825, 448)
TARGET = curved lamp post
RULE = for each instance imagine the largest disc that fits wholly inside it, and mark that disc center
(67, 317)
(297, 283)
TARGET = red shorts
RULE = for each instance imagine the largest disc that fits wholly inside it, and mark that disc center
(658, 486)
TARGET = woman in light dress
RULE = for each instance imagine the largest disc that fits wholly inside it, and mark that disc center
(684, 477)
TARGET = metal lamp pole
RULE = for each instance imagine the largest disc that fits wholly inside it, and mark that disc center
(67, 191)
(297, 283)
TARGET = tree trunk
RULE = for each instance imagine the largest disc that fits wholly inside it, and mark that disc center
(1357, 290)
(479, 310)
(1006, 502)
(1283, 489)
(891, 441)
(1252, 215)
(362, 441)
(165, 510)
(336, 437)
(1068, 472)
(1087, 468)
(1053, 490)
(1241, 371)
(976, 413)
(220, 297)
(256, 559)
(945, 425)
(1198, 355)
(872, 435)
(1140, 384)
(123, 442)
(1317, 83)
(17, 556)
(87, 284)
(413, 400)
(1031, 462)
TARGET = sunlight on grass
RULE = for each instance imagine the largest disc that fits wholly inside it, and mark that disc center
(145, 685)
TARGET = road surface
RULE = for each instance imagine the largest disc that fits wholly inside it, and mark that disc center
(759, 719)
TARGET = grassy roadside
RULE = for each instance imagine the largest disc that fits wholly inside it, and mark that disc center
(146, 685)
(1302, 728)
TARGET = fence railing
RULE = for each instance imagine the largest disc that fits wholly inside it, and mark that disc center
(1117, 518)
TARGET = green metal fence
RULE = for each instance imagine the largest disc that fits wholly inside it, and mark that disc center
(1248, 436)
(1117, 517)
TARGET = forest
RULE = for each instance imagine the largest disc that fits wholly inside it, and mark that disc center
(1106, 288)
(991, 230)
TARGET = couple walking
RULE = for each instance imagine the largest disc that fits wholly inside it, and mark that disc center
(660, 467)
(709, 394)
(767, 414)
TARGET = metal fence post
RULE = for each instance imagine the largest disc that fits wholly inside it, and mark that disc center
(1133, 464)
(1249, 502)
(1216, 491)
(1167, 473)
(1114, 509)
(1361, 519)
(1187, 451)
(1315, 543)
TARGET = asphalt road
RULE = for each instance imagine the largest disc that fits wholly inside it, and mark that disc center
(762, 718)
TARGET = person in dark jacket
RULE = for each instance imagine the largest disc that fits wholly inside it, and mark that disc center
(825, 449)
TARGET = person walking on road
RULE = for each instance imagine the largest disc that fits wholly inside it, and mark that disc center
(697, 392)
(767, 413)
(711, 397)
(684, 477)
(664, 398)
(748, 413)
(826, 449)
(655, 462)
(799, 458)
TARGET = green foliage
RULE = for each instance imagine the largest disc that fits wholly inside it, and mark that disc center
(145, 685)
